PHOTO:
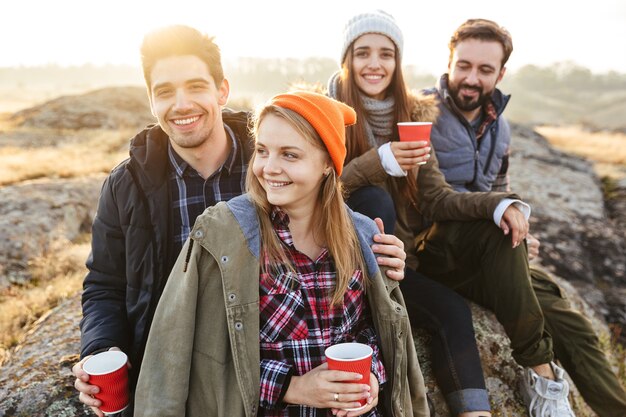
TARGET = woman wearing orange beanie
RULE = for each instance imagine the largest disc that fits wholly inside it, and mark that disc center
(285, 272)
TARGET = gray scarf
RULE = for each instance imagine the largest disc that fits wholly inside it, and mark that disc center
(379, 121)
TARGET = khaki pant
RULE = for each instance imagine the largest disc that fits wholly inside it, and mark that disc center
(476, 260)
(576, 346)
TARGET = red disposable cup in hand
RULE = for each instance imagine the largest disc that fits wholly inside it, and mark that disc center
(351, 357)
(108, 371)
(415, 131)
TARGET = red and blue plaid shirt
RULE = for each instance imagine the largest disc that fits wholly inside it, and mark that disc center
(298, 322)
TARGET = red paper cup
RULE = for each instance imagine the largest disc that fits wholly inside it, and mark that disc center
(351, 357)
(414, 131)
(108, 371)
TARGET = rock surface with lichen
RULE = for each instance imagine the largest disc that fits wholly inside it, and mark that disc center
(38, 216)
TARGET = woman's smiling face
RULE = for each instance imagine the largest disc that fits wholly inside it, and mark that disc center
(373, 64)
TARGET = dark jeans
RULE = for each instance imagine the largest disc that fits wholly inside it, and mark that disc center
(442, 312)
(456, 362)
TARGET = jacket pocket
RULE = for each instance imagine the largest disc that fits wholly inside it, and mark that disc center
(282, 313)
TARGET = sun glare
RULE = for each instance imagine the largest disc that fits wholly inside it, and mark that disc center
(72, 32)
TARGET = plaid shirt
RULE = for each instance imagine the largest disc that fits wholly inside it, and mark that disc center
(490, 115)
(192, 194)
(297, 322)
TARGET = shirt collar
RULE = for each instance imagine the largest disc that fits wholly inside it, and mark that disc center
(180, 166)
(280, 223)
(279, 218)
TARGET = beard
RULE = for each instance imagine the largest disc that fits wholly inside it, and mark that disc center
(465, 103)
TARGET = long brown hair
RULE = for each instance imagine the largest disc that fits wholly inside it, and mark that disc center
(334, 226)
(356, 137)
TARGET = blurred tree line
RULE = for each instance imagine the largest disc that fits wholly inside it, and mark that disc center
(557, 94)
(564, 77)
(272, 74)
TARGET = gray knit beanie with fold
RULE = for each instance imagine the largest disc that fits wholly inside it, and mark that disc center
(377, 21)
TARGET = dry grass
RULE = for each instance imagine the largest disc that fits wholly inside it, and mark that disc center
(57, 275)
(29, 153)
(97, 151)
(606, 150)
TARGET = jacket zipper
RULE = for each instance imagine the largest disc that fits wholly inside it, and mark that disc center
(494, 134)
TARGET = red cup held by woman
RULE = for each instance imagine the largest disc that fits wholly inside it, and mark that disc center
(351, 357)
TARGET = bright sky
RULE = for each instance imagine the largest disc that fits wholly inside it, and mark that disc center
(74, 32)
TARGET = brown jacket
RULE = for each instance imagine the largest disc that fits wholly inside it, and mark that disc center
(436, 200)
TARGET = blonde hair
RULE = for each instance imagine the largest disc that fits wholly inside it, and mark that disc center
(334, 226)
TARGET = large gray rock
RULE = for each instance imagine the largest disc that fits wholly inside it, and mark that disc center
(36, 217)
(38, 381)
(579, 240)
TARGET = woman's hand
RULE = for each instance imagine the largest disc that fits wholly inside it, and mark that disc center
(372, 401)
(317, 388)
(410, 154)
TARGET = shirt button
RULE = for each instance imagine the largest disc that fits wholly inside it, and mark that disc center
(238, 325)
(224, 259)
(198, 234)
(232, 297)
(399, 309)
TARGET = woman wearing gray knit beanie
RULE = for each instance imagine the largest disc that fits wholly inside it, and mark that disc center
(382, 181)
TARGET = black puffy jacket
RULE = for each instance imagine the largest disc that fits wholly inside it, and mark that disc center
(131, 250)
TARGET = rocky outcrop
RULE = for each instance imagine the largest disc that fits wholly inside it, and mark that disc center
(580, 240)
(107, 108)
(38, 381)
(38, 216)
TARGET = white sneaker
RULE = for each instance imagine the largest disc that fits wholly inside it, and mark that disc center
(544, 397)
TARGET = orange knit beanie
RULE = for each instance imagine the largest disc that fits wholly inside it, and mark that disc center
(328, 117)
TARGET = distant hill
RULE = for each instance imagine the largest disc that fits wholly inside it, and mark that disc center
(105, 108)
(567, 94)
